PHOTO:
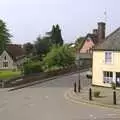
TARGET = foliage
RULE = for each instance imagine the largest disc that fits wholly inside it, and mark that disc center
(55, 35)
(113, 85)
(42, 46)
(59, 56)
(4, 35)
(28, 47)
(96, 93)
(32, 67)
(7, 74)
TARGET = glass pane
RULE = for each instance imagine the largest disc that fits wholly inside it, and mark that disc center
(111, 74)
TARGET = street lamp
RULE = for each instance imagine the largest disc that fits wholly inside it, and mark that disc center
(79, 82)
(78, 66)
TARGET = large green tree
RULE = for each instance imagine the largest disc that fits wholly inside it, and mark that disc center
(59, 56)
(42, 46)
(55, 35)
(4, 35)
(28, 47)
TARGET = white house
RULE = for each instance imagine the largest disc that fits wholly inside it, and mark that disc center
(12, 57)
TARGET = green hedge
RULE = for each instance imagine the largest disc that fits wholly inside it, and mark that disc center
(32, 67)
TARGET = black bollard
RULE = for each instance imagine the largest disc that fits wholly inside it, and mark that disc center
(90, 94)
(79, 87)
(75, 87)
(114, 97)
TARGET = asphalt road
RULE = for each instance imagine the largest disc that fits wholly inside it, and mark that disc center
(46, 102)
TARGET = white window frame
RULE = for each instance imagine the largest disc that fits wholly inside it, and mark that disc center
(107, 78)
(3, 62)
(108, 57)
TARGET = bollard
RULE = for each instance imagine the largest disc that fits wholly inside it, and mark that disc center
(75, 87)
(79, 87)
(114, 97)
(90, 94)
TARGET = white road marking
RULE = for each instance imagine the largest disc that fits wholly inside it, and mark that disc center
(95, 118)
(91, 115)
(46, 97)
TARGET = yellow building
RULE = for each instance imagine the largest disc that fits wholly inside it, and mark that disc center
(106, 61)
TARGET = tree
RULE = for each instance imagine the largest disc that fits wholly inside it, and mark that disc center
(4, 36)
(42, 46)
(55, 35)
(28, 47)
(59, 56)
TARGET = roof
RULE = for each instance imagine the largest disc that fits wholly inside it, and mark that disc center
(111, 42)
(93, 37)
(15, 51)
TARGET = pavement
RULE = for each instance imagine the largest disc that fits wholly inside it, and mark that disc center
(46, 101)
(104, 100)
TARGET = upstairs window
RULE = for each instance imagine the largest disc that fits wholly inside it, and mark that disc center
(108, 57)
(5, 58)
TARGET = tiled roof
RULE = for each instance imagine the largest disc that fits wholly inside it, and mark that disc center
(111, 42)
(15, 51)
(93, 37)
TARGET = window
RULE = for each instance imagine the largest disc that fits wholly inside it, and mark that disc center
(5, 64)
(5, 58)
(108, 57)
(107, 77)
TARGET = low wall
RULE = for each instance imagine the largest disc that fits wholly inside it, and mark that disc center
(39, 76)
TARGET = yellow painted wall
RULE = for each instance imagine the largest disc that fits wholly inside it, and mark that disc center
(99, 66)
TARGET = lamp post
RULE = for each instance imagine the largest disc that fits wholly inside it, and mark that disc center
(77, 62)
(79, 82)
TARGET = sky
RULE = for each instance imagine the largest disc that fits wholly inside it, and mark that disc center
(27, 19)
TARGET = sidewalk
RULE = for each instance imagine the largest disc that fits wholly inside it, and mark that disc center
(105, 99)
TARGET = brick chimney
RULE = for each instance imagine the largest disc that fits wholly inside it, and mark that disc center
(101, 31)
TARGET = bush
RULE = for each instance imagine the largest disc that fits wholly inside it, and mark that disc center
(32, 67)
(96, 93)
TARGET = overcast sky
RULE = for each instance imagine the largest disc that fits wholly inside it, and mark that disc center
(26, 19)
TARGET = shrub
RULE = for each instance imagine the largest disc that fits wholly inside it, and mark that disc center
(14, 70)
(32, 67)
(96, 93)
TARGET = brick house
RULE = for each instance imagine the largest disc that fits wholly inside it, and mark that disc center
(92, 39)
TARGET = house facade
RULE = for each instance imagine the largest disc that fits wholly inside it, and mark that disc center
(92, 39)
(106, 61)
(12, 57)
(88, 44)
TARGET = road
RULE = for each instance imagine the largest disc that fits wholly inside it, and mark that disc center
(46, 102)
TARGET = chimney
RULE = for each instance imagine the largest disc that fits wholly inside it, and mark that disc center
(95, 32)
(101, 31)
